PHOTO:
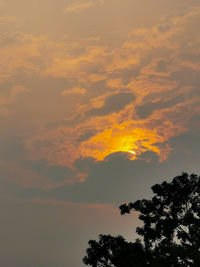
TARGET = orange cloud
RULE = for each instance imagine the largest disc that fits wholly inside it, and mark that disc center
(115, 83)
(63, 148)
(145, 65)
(69, 66)
(7, 19)
(120, 139)
(19, 55)
(74, 91)
(72, 78)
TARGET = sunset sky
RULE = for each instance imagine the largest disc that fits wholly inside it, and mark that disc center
(99, 100)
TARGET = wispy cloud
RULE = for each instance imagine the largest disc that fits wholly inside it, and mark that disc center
(74, 91)
(79, 6)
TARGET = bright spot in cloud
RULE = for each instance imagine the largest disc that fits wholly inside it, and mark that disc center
(132, 155)
(132, 152)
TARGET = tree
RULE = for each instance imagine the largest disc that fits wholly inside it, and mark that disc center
(170, 235)
(112, 251)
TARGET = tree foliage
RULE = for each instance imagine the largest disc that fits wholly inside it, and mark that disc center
(170, 235)
(112, 251)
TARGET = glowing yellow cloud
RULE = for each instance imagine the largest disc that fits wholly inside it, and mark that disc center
(120, 138)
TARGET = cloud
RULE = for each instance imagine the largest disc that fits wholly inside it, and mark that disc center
(74, 91)
(137, 124)
(15, 169)
(147, 108)
(117, 179)
(7, 19)
(23, 176)
(112, 181)
(38, 174)
(124, 101)
(18, 54)
(113, 103)
(79, 6)
(69, 66)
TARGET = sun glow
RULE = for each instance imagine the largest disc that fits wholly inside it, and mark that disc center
(132, 155)
(121, 139)
(132, 152)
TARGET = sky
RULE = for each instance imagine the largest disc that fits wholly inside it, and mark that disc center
(99, 100)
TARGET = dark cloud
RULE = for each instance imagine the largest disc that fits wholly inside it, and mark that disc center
(73, 121)
(11, 148)
(162, 66)
(164, 28)
(86, 135)
(114, 180)
(128, 74)
(13, 151)
(186, 77)
(118, 179)
(113, 103)
(188, 145)
(53, 173)
(191, 57)
(147, 108)
(9, 189)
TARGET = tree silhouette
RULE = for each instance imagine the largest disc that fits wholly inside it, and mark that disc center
(114, 251)
(170, 235)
